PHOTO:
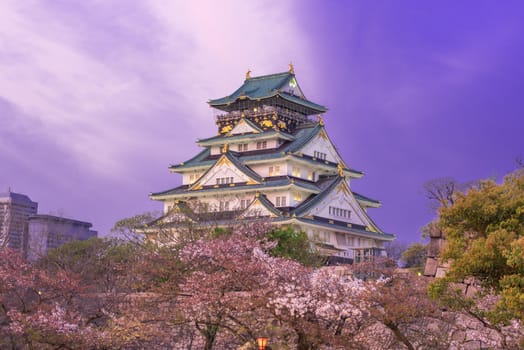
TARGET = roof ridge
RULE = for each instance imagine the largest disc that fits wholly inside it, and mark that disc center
(356, 194)
(265, 202)
(304, 141)
(268, 204)
(243, 167)
(273, 75)
(307, 204)
(199, 154)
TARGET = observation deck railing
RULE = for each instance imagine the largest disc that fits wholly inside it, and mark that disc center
(262, 112)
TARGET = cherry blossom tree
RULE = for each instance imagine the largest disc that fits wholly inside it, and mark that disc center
(226, 283)
(322, 307)
(401, 304)
(37, 309)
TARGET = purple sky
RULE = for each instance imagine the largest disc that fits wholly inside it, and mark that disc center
(97, 98)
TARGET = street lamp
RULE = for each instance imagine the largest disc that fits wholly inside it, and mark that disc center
(262, 343)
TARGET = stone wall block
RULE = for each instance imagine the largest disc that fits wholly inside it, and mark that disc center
(441, 272)
(434, 247)
(430, 269)
(472, 290)
(461, 286)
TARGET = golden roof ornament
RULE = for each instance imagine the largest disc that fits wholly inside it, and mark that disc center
(248, 74)
(340, 169)
(320, 120)
(291, 68)
(257, 194)
(224, 148)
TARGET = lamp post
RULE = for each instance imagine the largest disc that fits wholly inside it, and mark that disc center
(262, 343)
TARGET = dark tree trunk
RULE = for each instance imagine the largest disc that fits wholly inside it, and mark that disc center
(399, 335)
(209, 332)
(303, 343)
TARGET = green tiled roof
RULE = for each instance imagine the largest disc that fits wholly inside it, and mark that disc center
(310, 202)
(200, 159)
(265, 86)
(227, 218)
(267, 204)
(281, 181)
(360, 197)
(243, 168)
(256, 87)
(221, 139)
(302, 136)
(301, 101)
(196, 160)
(345, 228)
(315, 199)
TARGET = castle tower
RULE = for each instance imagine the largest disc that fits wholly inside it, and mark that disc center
(273, 158)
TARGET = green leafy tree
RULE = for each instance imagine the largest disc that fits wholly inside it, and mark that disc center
(293, 245)
(103, 263)
(414, 256)
(484, 230)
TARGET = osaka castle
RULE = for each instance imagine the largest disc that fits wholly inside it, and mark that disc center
(272, 158)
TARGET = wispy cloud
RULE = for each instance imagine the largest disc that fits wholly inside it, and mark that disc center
(101, 78)
(108, 93)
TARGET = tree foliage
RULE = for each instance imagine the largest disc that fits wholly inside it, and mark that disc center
(109, 261)
(414, 255)
(38, 309)
(218, 289)
(484, 231)
(293, 245)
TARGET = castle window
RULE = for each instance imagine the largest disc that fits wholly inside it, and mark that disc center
(297, 197)
(280, 201)
(242, 147)
(343, 213)
(261, 144)
(243, 203)
(193, 178)
(274, 171)
(311, 176)
(224, 180)
(295, 171)
(223, 206)
(319, 155)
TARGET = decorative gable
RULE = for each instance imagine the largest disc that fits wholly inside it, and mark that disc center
(340, 204)
(226, 171)
(178, 213)
(244, 126)
(322, 148)
(260, 207)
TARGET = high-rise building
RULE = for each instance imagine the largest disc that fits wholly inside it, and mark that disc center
(15, 209)
(272, 159)
(47, 231)
(33, 235)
